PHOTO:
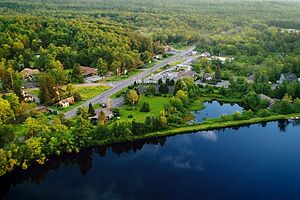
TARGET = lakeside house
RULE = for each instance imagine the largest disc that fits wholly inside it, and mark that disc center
(28, 74)
(66, 102)
(88, 71)
(268, 99)
(287, 77)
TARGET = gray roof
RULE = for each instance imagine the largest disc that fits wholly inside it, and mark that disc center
(290, 77)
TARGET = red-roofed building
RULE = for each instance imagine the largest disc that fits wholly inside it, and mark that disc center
(88, 71)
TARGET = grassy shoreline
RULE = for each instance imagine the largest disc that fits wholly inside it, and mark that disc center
(193, 128)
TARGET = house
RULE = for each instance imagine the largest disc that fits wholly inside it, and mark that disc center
(108, 113)
(88, 71)
(28, 74)
(290, 30)
(268, 99)
(66, 102)
(288, 77)
(29, 98)
(207, 77)
(205, 54)
(168, 48)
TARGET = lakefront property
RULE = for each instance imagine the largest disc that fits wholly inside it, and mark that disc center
(149, 99)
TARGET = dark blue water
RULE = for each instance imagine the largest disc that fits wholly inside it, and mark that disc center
(216, 109)
(256, 162)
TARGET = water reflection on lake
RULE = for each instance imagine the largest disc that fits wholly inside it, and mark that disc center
(256, 162)
(215, 109)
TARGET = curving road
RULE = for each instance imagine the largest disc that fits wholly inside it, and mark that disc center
(102, 98)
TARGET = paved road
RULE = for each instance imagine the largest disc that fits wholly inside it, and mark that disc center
(102, 98)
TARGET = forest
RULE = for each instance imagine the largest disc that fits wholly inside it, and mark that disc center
(57, 37)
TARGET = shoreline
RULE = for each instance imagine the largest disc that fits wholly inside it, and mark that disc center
(171, 132)
(193, 128)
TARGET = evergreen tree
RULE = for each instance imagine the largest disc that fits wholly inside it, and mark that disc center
(91, 111)
(218, 73)
(48, 92)
(145, 107)
(163, 88)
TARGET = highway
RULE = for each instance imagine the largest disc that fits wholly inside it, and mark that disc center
(102, 98)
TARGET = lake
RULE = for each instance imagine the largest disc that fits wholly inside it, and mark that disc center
(257, 162)
(215, 109)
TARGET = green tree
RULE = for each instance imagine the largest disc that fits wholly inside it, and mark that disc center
(91, 111)
(6, 113)
(77, 76)
(218, 73)
(182, 96)
(3, 162)
(48, 90)
(163, 88)
(145, 107)
(102, 67)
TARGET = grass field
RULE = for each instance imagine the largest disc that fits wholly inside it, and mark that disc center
(88, 92)
(156, 105)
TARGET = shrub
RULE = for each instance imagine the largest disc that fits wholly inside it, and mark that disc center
(130, 116)
(145, 107)
(264, 113)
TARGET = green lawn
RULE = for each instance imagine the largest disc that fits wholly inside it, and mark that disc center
(150, 64)
(156, 105)
(179, 46)
(88, 92)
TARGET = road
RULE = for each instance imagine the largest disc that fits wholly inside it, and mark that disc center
(102, 98)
